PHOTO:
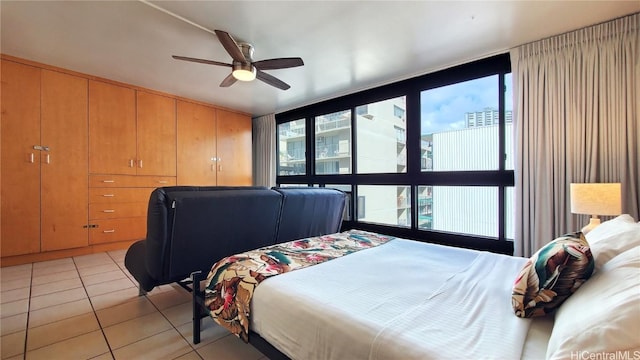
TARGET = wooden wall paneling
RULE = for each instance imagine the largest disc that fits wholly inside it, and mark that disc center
(20, 162)
(196, 144)
(234, 143)
(156, 134)
(65, 166)
(112, 129)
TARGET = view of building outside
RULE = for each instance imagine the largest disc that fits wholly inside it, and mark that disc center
(291, 143)
(382, 138)
(382, 148)
(460, 133)
(459, 130)
(333, 143)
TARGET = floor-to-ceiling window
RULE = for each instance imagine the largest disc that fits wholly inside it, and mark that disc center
(426, 158)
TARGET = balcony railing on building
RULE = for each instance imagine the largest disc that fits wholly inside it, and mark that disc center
(333, 150)
(291, 132)
(323, 125)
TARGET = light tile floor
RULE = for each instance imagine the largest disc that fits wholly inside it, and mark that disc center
(87, 307)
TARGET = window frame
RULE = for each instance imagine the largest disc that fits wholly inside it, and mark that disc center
(414, 176)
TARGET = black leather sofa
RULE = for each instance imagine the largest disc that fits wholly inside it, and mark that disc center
(189, 228)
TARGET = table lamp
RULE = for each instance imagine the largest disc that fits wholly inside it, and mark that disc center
(596, 199)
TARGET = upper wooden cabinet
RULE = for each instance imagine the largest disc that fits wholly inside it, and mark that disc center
(156, 134)
(112, 129)
(234, 148)
(196, 144)
(131, 132)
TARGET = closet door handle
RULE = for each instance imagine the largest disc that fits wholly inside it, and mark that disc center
(108, 231)
(31, 158)
(48, 159)
(140, 164)
(130, 162)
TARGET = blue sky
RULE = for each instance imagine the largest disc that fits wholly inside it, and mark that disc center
(443, 108)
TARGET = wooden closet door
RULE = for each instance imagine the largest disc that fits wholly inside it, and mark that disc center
(65, 166)
(156, 125)
(234, 149)
(196, 144)
(112, 129)
(20, 162)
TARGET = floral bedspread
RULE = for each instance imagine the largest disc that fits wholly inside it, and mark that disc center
(232, 280)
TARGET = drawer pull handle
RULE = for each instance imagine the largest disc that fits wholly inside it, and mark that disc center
(108, 181)
(108, 211)
(162, 181)
(108, 231)
(108, 195)
(31, 158)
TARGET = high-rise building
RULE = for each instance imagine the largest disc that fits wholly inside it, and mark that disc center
(488, 116)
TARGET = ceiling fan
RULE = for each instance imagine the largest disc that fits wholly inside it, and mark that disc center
(243, 67)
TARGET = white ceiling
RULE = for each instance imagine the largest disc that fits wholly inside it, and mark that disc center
(346, 45)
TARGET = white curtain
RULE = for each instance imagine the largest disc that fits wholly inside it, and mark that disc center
(576, 113)
(264, 150)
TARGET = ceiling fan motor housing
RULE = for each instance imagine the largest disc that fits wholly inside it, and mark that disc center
(244, 71)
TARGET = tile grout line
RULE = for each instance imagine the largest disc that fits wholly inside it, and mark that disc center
(26, 330)
(92, 308)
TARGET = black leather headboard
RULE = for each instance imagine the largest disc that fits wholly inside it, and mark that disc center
(306, 211)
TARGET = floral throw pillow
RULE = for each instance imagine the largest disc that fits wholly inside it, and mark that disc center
(551, 275)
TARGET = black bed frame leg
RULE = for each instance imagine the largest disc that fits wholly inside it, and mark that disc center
(141, 291)
(197, 314)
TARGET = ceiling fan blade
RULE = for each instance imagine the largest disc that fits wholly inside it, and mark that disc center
(230, 45)
(228, 81)
(279, 63)
(202, 61)
(272, 80)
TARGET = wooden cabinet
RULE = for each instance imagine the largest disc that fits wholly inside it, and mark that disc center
(112, 129)
(196, 144)
(80, 156)
(233, 146)
(65, 165)
(20, 165)
(214, 146)
(44, 160)
(131, 132)
(156, 134)
(118, 206)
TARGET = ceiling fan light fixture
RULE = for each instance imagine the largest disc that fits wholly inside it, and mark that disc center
(244, 72)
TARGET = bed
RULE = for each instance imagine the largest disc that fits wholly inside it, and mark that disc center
(414, 300)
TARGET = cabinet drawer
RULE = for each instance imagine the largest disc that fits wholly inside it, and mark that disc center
(117, 210)
(96, 181)
(118, 195)
(111, 230)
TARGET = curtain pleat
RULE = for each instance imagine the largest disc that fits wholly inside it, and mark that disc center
(576, 120)
(264, 150)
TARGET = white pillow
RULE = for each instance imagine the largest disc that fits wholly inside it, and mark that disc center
(611, 227)
(613, 237)
(603, 315)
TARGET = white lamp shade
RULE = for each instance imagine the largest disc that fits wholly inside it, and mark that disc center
(596, 199)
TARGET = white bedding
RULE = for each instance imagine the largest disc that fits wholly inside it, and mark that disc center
(404, 299)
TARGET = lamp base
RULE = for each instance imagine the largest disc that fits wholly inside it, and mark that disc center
(593, 222)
